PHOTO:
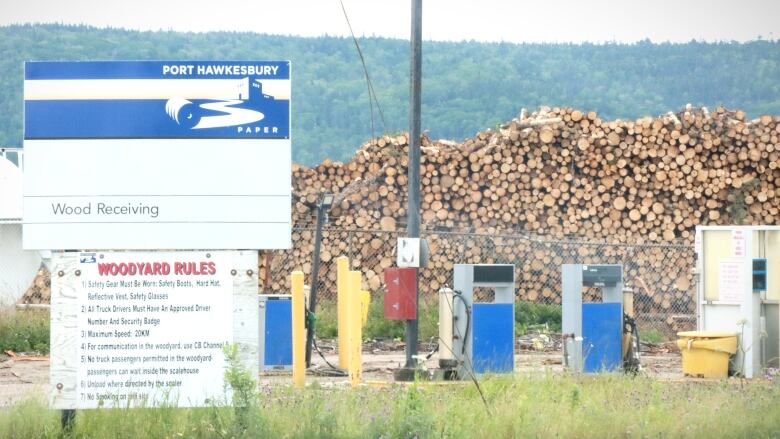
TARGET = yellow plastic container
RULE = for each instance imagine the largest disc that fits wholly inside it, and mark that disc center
(706, 353)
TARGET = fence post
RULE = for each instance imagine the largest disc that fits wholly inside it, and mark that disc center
(350, 236)
(342, 273)
(298, 330)
(355, 317)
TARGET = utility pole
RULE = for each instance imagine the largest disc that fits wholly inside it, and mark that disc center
(413, 208)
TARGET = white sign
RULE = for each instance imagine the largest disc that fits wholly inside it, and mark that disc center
(738, 243)
(408, 252)
(149, 327)
(157, 155)
(731, 280)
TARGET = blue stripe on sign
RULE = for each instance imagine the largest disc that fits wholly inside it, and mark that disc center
(156, 69)
(131, 118)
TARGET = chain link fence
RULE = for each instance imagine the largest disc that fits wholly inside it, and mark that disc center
(660, 276)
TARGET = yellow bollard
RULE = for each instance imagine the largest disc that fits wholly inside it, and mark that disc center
(342, 272)
(298, 330)
(355, 319)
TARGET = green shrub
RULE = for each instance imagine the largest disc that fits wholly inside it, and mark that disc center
(377, 325)
(428, 322)
(529, 315)
(24, 330)
(326, 323)
(651, 336)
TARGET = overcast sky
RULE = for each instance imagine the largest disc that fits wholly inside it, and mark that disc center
(482, 20)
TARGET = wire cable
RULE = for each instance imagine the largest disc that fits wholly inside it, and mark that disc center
(369, 84)
(333, 370)
(469, 364)
(459, 295)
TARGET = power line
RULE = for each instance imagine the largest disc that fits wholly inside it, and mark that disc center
(372, 98)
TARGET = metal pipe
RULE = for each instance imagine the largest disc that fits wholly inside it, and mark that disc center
(446, 350)
(413, 208)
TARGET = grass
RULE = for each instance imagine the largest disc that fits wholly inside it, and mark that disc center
(24, 330)
(534, 315)
(519, 406)
(377, 326)
(652, 336)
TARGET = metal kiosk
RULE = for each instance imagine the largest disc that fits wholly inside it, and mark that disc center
(593, 332)
(481, 329)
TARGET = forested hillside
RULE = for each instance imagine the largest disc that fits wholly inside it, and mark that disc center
(467, 86)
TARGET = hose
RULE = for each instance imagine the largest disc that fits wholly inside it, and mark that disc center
(631, 363)
(332, 370)
(459, 295)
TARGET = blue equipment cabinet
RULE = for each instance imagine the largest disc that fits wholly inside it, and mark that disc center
(493, 339)
(275, 345)
(483, 325)
(602, 333)
(593, 332)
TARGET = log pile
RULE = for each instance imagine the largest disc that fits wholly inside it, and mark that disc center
(557, 174)
(39, 291)
(563, 172)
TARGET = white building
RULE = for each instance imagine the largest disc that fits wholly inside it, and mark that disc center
(17, 267)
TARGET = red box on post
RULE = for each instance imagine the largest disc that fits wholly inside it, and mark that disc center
(400, 293)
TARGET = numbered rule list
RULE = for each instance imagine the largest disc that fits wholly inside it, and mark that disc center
(152, 327)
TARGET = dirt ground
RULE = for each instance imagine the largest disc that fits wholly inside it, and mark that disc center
(379, 366)
(24, 377)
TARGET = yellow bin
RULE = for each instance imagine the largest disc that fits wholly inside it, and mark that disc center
(706, 353)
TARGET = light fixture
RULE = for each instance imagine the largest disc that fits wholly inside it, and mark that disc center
(326, 201)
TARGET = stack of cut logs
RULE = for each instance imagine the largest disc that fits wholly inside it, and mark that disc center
(39, 292)
(561, 174)
(564, 172)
